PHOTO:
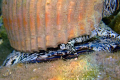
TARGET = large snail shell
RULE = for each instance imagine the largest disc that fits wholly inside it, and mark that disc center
(38, 24)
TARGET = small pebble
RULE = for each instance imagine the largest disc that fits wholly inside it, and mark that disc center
(33, 78)
(7, 73)
(75, 58)
(34, 70)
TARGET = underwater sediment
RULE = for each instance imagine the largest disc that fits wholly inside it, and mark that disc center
(97, 65)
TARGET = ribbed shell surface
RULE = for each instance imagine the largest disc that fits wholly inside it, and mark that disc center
(34, 25)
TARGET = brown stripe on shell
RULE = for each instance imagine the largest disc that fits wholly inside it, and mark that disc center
(25, 14)
(71, 27)
(50, 23)
(33, 28)
(40, 19)
(20, 25)
(5, 12)
(12, 23)
(62, 21)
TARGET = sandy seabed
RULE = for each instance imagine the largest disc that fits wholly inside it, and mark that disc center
(91, 66)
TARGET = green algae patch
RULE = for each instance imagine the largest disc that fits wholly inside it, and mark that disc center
(5, 50)
(77, 69)
(115, 23)
(5, 47)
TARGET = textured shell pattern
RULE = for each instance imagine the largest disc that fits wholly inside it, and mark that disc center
(34, 25)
